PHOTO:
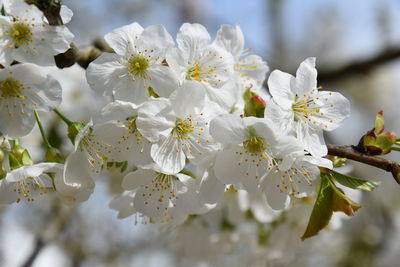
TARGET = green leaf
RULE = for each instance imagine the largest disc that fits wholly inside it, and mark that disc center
(354, 183)
(26, 158)
(322, 210)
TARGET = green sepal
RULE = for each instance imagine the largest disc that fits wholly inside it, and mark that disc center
(54, 155)
(3, 172)
(376, 141)
(337, 162)
(354, 183)
(379, 123)
(19, 157)
(73, 130)
(26, 158)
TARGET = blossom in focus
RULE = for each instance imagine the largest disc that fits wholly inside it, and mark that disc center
(197, 59)
(249, 147)
(179, 127)
(137, 69)
(294, 174)
(299, 108)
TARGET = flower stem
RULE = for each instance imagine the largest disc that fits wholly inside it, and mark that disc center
(65, 119)
(45, 140)
(395, 148)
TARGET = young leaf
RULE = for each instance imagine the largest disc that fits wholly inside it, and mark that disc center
(322, 211)
(354, 183)
(342, 203)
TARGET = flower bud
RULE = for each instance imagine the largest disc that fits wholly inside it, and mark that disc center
(3, 172)
(254, 104)
(376, 141)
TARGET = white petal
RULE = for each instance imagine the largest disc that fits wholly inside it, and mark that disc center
(117, 111)
(66, 14)
(306, 76)
(188, 99)
(168, 155)
(228, 129)
(156, 36)
(313, 140)
(163, 80)
(124, 204)
(280, 86)
(137, 178)
(231, 38)
(211, 189)
(192, 37)
(276, 199)
(104, 73)
(335, 108)
(155, 119)
(122, 39)
(76, 184)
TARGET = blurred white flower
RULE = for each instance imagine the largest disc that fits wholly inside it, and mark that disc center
(23, 89)
(27, 37)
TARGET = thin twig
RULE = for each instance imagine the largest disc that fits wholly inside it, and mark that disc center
(350, 152)
(361, 66)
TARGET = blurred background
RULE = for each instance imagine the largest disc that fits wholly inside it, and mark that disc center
(357, 45)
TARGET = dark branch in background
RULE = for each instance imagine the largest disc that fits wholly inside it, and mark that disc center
(57, 222)
(350, 152)
(360, 66)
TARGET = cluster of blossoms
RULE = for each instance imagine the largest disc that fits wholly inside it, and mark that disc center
(188, 122)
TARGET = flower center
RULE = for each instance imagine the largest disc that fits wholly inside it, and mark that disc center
(27, 188)
(131, 125)
(138, 65)
(165, 184)
(196, 73)
(11, 88)
(302, 108)
(254, 144)
(20, 33)
(183, 127)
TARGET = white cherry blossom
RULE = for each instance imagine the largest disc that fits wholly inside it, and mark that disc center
(163, 196)
(294, 174)
(28, 183)
(250, 144)
(299, 108)
(25, 36)
(197, 59)
(250, 69)
(136, 147)
(94, 147)
(23, 89)
(137, 69)
(178, 127)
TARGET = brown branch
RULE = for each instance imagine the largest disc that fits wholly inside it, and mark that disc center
(360, 66)
(350, 152)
